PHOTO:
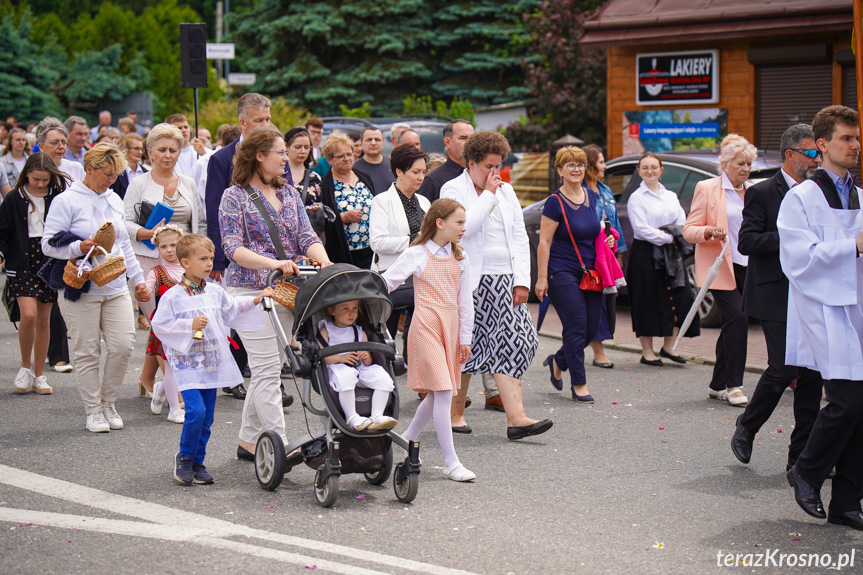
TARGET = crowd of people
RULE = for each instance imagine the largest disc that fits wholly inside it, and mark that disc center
(447, 235)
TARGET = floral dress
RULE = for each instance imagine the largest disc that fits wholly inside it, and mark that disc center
(354, 197)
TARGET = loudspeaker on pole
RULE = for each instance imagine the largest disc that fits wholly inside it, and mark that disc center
(193, 55)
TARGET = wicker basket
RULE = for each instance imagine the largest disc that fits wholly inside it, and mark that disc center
(105, 236)
(109, 270)
(285, 293)
(71, 277)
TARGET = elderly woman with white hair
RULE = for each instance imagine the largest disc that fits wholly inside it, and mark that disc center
(161, 184)
(715, 218)
(53, 139)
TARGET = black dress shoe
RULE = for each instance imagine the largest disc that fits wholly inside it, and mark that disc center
(522, 431)
(674, 358)
(238, 392)
(807, 497)
(852, 519)
(741, 442)
(467, 402)
(653, 362)
(287, 400)
(244, 454)
(462, 429)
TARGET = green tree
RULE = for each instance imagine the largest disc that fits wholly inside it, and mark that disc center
(25, 73)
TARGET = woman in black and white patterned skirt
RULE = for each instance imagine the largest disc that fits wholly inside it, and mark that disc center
(504, 337)
(22, 219)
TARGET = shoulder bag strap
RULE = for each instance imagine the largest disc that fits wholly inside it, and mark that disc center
(566, 221)
(271, 227)
(308, 173)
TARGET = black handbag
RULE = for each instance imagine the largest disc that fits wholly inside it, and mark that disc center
(403, 296)
(143, 210)
(11, 304)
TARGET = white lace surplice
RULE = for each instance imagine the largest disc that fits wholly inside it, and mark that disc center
(205, 364)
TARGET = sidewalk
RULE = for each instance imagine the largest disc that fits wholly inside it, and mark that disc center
(699, 349)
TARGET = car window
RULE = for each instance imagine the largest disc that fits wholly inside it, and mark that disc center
(618, 178)
(689, 186)
(674, 178)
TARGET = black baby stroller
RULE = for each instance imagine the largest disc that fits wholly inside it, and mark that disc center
(337, 449)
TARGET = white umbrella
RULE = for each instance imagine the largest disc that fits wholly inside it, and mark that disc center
(711, 275)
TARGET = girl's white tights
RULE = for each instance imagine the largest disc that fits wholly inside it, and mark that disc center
(168, 388)
(348, 401)
(436, 406)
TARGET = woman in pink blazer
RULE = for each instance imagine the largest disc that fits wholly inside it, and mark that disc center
(715, 218)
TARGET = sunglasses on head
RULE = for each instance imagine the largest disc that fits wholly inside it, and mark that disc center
(811, 154)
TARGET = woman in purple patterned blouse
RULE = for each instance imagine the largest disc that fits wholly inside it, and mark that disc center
(259, 164)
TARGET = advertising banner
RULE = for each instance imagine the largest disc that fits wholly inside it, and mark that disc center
(673, 78)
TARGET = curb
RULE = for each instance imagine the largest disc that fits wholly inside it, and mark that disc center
(750, 367)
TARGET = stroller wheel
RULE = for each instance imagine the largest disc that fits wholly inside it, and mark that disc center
(328, 492)
(270, 460)
(380, 477)
(407, 490)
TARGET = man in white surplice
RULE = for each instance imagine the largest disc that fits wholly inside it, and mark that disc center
(820, 225)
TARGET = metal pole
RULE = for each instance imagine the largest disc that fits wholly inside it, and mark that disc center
(219, 23)
(196, 112)
(858, 57)
(227, 62)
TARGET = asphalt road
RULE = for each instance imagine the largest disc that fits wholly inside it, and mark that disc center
(642, 482)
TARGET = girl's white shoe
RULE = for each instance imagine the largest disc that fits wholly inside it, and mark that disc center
(383, 422)
(178, 416)
(358, 423)
(459, 473)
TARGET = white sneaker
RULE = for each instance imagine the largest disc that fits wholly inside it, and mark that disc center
(178, 416)
(65, 368)
(40, 386)
(459, 473)
(97, 423)
(23, 380)
(383, 422)
(157, 403)
(111, 415)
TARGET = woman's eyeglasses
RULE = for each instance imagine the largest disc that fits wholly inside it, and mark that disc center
(572, 167)
(282, 153)
(811, 154)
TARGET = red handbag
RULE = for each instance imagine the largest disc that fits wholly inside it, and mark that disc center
(590, 280)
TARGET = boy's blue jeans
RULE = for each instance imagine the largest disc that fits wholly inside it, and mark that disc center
(200, 410)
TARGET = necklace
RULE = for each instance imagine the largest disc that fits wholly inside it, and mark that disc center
(577, 203)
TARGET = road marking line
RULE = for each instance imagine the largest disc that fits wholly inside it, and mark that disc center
(173, 534)
(219, 528)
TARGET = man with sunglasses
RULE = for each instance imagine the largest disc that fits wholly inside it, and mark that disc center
(819, 226)
(765, 297)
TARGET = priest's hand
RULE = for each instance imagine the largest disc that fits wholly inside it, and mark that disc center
(860, 244)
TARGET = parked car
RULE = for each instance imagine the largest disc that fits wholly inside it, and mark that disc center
(683, 170)
(429, 127)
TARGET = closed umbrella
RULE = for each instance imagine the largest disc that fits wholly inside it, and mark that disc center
(543, 309)
(711, 275)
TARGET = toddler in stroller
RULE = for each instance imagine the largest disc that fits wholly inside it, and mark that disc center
(346, 370)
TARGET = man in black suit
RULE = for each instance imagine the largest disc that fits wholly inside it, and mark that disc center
(765, 297)
(254, 112)
(455, 136)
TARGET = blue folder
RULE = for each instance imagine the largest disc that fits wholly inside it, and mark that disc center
(160, 212)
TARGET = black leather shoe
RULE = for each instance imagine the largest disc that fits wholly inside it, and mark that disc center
(467, 402)
(653, 362)
(522, 431)
(244, 454)
(852, 519)
(674, 358)
(741, 442)
(287, 400)
(807, 497)
(462, 429)
(238, 392)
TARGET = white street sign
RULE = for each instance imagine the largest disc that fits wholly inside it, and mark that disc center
(237, 79)
(220, 51)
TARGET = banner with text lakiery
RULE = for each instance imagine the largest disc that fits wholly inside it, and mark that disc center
(674, 78)
(667, 130)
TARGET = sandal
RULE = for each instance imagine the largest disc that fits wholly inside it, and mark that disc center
(736, 398)
(358, 423)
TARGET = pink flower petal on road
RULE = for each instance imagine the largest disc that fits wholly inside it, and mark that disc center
(361, 496)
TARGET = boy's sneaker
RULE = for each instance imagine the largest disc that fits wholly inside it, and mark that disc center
(40, 386)
(97, 423)
(111, 415)
(183, 469)
(178, 416)
(383, 422)
(202, 477)
(23, 380)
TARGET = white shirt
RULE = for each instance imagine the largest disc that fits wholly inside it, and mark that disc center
(186, 162)
(788, 179)
(200, 176)
(72, 169)
(496, 259)
(19, 164)
(818, 253)
(35, 216)
(139, 171)
(648, 212)
(413, 261)
(734, 209)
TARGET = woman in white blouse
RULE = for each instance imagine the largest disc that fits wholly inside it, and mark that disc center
(161, 184)
(659, 302)
(715, 218)
(396, 218)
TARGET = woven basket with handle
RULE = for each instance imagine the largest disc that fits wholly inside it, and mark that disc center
(109, 270)
(105, 236)
(285, 293)
(71, 277)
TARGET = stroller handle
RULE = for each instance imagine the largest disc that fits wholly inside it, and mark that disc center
(305, 270)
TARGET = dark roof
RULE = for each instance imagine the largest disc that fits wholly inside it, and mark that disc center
(623, 22)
